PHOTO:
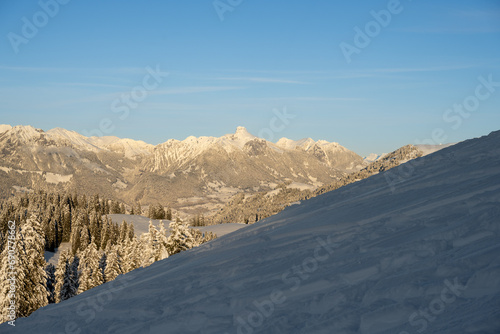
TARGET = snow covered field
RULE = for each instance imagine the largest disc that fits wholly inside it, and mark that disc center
(141, 224)
(412, 250)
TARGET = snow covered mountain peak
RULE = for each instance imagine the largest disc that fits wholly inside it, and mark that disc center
(241, 130)
(290, 144)
(72, 138)
(5, 127)
(239, 138)
(23, 133)
(307, 143)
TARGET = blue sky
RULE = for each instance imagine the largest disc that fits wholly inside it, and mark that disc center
(245, 61)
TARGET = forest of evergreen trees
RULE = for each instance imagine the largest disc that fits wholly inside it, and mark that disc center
(100, 249)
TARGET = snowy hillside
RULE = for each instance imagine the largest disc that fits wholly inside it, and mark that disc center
(412, 250)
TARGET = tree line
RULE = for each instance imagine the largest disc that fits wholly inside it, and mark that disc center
(99, 249)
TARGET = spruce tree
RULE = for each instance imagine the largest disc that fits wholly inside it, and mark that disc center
(30, 277)
(90, 274)
(123, 232)
(180, 238)
(131, 255)
(102, 264)
(105, 233)
(113, 268)
(150, 245)
(62, 274)
(162, 252)
(168, 216)
(131, 232)
(138, 209)
(51, 282)
(66, 223)
(69, 284)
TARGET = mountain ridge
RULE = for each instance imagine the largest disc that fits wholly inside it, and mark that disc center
(196, 174)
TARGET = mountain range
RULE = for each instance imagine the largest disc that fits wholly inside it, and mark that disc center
(192, 175)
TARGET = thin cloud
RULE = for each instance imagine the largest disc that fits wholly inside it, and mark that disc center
(420, 69)
(119, 70)
(191, 90)
(87, 84)
(266, 80)
(317, 98)
(447, 30)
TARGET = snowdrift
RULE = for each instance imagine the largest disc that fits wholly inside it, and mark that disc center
(412, 250)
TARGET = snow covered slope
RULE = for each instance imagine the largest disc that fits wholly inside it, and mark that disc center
(419, 256)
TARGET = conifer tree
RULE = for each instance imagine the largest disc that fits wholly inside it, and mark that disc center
(69, 283)
(150, 245)
(131, 232)
(30, 277)
(138, 209)
(122, 208)
(95, 229)
(62, 275)
(123, 232)
(105, 233)
(90, 274)
(51, 282)
(131, 255)
(74, 274)
(113, 268)
(102, 264)
(162, 252)
(66, 223)
(84, 238)
(180, 238)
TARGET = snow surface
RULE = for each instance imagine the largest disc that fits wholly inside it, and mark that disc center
(141, 224)
(57, 178)
(419, 256)
(53, 257)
